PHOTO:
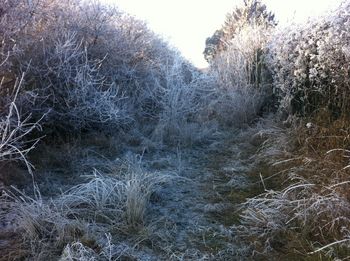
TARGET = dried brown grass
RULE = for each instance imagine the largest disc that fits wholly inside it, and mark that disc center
(305, 208)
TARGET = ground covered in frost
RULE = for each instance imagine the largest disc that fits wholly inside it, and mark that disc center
(191, 204)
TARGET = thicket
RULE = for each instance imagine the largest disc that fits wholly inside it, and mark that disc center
(83, 61)
(238, 57)
(88, 67)
(75, 68)
(304, 211)
(311, 65)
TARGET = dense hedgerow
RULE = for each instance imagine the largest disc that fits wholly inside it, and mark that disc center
(304, 211)
(78, 67)
(88, 65)
(311, 65)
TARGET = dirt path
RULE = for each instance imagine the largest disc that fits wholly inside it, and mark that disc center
(190, 217)
(202, 205)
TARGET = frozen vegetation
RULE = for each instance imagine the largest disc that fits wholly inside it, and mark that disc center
(114, 147)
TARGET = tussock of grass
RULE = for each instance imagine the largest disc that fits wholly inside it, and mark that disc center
(120, 202)
(43, 228)
(116, 203)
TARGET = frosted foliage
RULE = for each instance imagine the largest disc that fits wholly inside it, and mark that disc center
(311, 64)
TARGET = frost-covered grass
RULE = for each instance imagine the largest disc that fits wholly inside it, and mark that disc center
(100, 85)
(304, 211)
(86, 213)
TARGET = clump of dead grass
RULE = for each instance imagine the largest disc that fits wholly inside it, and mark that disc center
(114, 203)
(305, 208)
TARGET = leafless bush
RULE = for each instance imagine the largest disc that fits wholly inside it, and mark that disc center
(183, 102)
(242, 64)
(78, 95)
(134, 57)
(15, 129)
(236, 108)
(244, 82)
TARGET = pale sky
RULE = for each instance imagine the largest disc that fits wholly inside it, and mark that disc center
(187, 23)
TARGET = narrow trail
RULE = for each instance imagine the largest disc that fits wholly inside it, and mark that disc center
(189, 218)
(203, 203)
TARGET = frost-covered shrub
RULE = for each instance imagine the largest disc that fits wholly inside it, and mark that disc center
(72, 89)
(133, 56)
(89, 65)
(184, 101)
(243, 77)
(15, 127)
(250, 13)
(243, 64)
(311, 65)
